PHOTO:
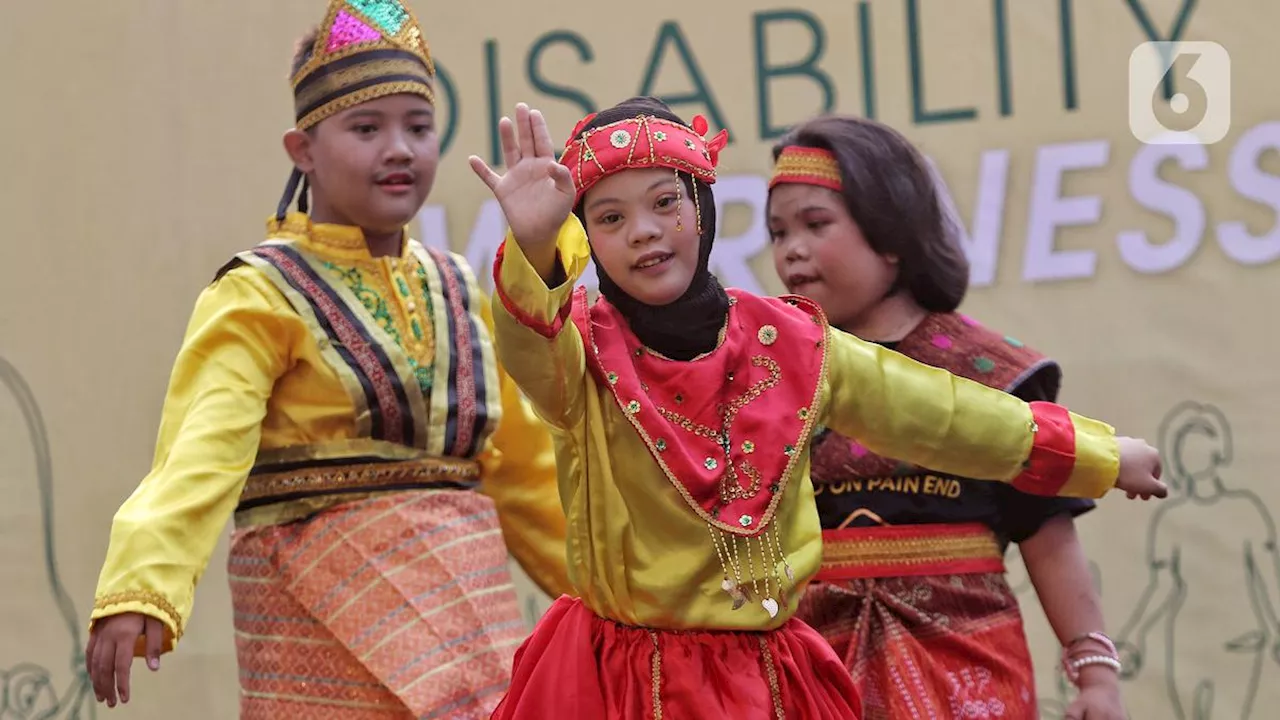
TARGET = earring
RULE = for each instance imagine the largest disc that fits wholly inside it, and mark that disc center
(679, 203)
(697, 207)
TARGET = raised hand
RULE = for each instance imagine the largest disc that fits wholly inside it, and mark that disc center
(1139, 470)
(536, 192)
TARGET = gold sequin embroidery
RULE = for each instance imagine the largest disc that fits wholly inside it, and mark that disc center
(730, 485)
(655, 681)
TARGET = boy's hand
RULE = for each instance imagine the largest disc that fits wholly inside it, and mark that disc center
(536, 193)
(109, 655)
(1139, 470)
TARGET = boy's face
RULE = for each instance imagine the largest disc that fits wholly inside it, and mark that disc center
(372, 165)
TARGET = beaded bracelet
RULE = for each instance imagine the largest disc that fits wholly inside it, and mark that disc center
(1096, 637)
(1073, 667)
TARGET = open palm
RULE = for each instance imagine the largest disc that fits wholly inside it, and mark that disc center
(536, 193)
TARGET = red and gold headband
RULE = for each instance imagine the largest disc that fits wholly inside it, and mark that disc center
(807, 166)
(644, 141)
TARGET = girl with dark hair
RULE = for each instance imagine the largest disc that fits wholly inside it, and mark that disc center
(682, 414)
(911, 591)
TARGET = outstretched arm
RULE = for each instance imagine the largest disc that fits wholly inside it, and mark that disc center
(901, 408)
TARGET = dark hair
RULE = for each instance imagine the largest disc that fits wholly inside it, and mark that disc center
(302, 50)
(892, 196)
(653, 106)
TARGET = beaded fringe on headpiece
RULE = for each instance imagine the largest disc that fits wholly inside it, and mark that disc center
(366, 49)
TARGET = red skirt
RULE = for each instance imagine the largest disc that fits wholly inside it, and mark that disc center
(921, 645)
(579, 665)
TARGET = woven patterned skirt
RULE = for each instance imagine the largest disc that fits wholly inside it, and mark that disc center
(399, 606)
(930, 630)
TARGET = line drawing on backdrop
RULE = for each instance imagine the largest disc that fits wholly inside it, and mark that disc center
(27, 690)
(1216, 635)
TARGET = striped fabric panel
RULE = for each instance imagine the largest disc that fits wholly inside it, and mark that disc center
(398, 606)
(472, 375)
(384, 389)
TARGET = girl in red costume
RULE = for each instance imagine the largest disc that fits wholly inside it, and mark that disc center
(682, 415)
(912, 593)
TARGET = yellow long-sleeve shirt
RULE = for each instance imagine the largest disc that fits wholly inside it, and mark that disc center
(251, 377)
(638, 553)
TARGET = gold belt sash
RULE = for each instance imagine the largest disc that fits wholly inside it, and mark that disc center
(292, 483)
(904, 550)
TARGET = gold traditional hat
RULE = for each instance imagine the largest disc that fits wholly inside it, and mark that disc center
(365, 49)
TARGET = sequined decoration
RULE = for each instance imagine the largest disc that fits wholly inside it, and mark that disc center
(349, 30)
(768, 335)
(390, 15)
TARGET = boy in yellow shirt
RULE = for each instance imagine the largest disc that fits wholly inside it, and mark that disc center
(337, 391)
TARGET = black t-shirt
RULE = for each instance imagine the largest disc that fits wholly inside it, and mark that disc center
(1014, 516)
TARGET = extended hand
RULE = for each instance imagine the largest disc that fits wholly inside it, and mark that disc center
(1139, 470)
(536, 193)
(109, 655)
(1097, 702)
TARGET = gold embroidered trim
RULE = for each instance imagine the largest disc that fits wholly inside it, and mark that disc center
(846, 552)
(771, 672)
(335, 82)
(364, 95)
(409, 38)
(655, 682)
(362, 476)
(730, 486)
(147, 597)
(298, 226)
(801, 164)
(644, 125)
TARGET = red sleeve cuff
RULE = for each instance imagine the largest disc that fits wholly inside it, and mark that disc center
(546, 330)
(1053, 452)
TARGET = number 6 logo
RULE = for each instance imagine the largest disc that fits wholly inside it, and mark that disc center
(1179, 93)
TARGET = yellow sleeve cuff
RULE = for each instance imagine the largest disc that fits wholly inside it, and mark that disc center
(143, 602)
(1097, 462)
(523, 292)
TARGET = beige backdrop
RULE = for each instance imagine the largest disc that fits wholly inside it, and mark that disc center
(139, 148)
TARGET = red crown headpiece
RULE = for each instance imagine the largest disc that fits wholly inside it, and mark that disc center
(644, 141)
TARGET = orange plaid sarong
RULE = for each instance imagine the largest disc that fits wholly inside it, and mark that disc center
(400, 606)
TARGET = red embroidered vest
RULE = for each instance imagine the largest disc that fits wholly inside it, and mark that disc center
(727, 428)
